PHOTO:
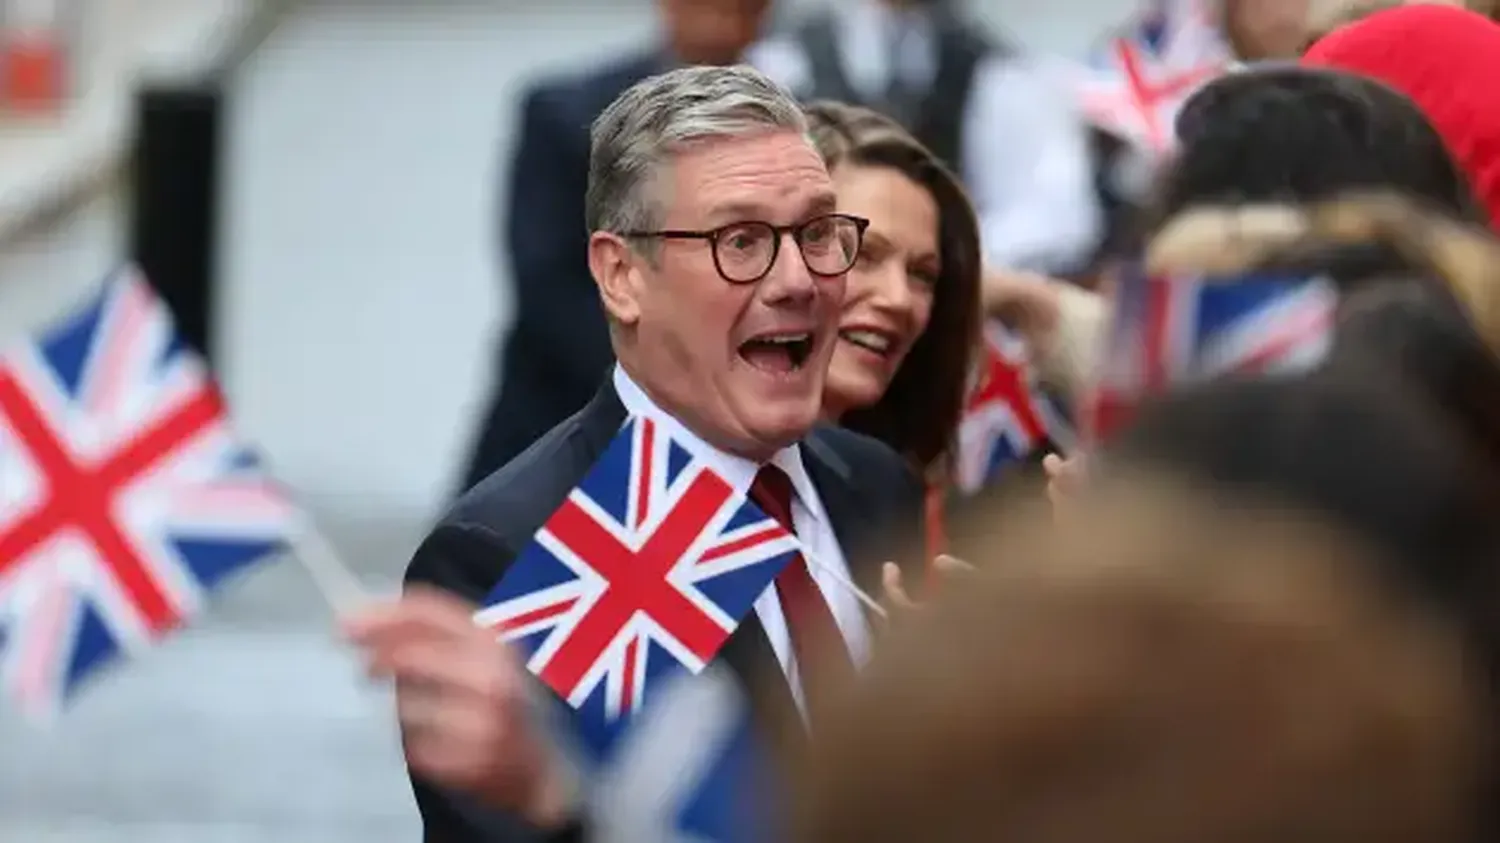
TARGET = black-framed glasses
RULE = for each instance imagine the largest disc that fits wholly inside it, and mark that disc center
(744, 252)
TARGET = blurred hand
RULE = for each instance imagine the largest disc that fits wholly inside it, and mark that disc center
(461, 698)
(895, 598)
(1065, 478)
(1026, 302)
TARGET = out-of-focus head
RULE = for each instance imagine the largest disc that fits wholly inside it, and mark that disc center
(1446, 59)
(1290, 134)
(1266, 29)
(911, 303)
(719, 253)
(1396, 432)
(1199, 675)
(712, 31)
(1419, 290)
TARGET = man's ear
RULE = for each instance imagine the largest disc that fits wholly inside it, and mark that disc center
(613, 264)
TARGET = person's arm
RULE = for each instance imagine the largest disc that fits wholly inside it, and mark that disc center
(1026, 162)
(462, 560)
(556, 299)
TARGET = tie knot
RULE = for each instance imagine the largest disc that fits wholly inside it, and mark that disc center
(772, 492)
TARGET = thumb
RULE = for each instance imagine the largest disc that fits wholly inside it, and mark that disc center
(951, 564)
(890, 580)
(1054, 466)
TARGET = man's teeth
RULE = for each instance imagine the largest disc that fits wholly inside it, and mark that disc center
(878, 343)
(786, 339)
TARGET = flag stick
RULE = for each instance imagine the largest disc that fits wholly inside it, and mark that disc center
(334, 579)
(837, 576)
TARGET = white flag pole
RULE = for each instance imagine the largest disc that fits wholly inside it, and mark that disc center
(847, 584)
(334, 579)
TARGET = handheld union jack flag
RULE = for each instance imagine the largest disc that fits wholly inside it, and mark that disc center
(648, 565)
(124, 497)
(1007, 416)
(1136, 84)
(1168, 331)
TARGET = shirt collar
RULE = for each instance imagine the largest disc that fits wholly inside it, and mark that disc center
(737, 471)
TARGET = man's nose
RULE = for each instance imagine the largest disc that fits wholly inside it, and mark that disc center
(789, 277)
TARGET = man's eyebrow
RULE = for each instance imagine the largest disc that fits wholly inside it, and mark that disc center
(738, 212)
(821, 204)
(731, 212)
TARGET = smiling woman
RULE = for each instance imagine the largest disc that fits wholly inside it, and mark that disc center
(911, 304)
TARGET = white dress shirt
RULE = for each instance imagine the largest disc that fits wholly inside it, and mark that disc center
(814, 531)
(1025, 155)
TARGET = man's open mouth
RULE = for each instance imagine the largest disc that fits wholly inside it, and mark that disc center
(778, 354)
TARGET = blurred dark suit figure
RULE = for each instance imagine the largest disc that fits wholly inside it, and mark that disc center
(558, 350)
(1003, 118)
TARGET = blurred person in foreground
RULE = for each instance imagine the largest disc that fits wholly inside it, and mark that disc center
(1199, 675)
(720, 255)
(1419, 297)
(999, 117)
(557, 348)
(1385, 459)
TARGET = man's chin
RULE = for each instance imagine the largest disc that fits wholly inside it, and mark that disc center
(774, 425)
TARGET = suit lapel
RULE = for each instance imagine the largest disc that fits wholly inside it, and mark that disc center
(849, 513)
(598, 424)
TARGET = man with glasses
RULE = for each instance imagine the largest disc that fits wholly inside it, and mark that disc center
(720, 262)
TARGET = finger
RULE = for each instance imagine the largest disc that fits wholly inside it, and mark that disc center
(449, 743)
(483, 670)
(421, 612)
(1054, 465)
(951, 564)
(895, 592)
(420, 606)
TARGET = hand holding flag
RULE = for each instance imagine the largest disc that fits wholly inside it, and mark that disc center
(1006, 415)
(463, 704)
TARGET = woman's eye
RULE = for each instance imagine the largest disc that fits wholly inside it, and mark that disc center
(926, 276)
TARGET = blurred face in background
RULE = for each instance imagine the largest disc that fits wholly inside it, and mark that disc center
(712, 31)
(1266, 29)
(888, 294)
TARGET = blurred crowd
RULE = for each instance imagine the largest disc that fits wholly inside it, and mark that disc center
(1258, 272)
(1059, 189)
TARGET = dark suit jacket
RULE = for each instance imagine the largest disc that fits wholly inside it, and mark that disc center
(558, 347)
(872, 500)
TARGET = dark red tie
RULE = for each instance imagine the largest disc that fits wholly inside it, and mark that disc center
(822, 656)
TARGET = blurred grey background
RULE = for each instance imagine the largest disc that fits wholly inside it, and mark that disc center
(363, 144)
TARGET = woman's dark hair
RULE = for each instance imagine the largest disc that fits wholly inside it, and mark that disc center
(918, 415)
(1297, 134)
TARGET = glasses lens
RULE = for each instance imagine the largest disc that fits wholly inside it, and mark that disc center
(745, 250)
(829, 244)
